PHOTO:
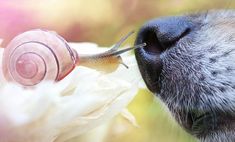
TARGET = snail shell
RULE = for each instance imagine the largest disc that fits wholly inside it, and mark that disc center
(38, 55)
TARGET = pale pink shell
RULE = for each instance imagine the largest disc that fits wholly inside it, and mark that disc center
(37, 55)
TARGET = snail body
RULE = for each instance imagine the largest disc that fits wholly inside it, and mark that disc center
(39, 55)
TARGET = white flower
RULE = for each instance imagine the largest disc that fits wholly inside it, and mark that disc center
(56, 112)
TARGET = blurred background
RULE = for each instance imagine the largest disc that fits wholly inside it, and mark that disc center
(104, 22)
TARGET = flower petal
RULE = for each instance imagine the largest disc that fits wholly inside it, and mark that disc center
(59, 111)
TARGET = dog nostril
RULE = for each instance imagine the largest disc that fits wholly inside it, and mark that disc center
(163, 33)
(152, 43)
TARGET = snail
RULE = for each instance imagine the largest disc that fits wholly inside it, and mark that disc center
(39, 55)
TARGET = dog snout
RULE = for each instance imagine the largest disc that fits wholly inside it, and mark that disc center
(159, 35)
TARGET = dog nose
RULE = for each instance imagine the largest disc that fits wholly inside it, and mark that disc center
(162, 33)
(159, 35)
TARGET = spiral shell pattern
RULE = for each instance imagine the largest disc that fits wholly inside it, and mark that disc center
(37, 55)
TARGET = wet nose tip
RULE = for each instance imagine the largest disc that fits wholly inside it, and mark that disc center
(160, 34)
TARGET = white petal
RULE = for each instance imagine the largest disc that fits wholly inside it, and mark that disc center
(59, 111)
